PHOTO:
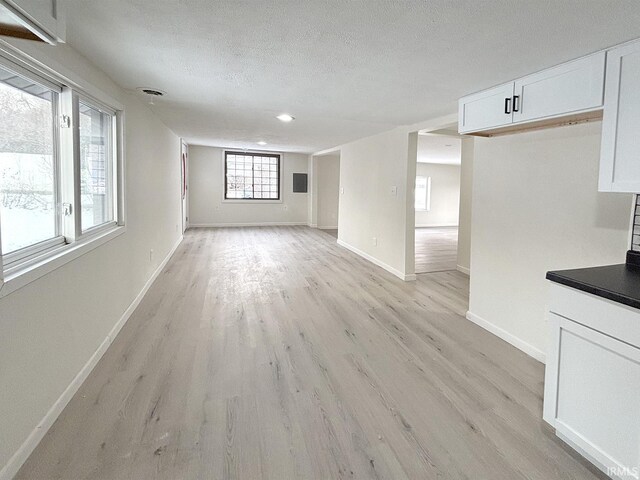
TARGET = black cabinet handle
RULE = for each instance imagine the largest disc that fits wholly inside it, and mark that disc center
(507, 106)
(516, 103)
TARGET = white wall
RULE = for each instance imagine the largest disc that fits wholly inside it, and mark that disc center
(328, 190)
(50, 328)
(445, 195)
(536, 208)
(312, 198)
(206, 193)
(464, 217)
(369, 168)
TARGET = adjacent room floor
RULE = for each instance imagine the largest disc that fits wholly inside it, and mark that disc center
(331, 231)
(436, 249)
(275, 353)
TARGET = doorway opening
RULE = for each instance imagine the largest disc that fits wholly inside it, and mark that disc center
(326, 179)
(437, 201)
(184, 184)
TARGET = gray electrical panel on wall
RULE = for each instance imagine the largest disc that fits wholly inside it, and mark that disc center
(299, 183)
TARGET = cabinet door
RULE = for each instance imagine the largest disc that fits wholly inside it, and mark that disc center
(620, 154)
(45, 15)
(485, 110)
(597, 380)
(568, 88)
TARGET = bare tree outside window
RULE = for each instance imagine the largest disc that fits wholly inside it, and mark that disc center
(252, 176)
(27, 166)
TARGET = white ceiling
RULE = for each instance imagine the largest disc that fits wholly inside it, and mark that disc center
(345, 69)
(439, 149)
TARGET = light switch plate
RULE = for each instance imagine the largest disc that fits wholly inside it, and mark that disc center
(394, 190)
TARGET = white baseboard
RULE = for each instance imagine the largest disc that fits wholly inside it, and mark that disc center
(252, 224)
(28, 446)
(332, 227)
(507, 337)
(464, 270)
(375, 261)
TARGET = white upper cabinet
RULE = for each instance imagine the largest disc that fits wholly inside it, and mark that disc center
(567, 92)
(568, 88)
(620, 154)
(488, 109)
(43, 17)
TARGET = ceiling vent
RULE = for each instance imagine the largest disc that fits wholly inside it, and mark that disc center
(151, 92)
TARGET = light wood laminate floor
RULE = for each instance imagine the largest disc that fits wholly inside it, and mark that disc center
(436, 249)
(275, 353)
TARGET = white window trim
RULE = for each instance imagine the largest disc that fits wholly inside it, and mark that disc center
(24, 274)
(47, 260)
(256, 201)
(114, 140)
(33, 250)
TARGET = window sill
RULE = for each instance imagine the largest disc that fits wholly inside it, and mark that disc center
(18, 278)
(254, 202)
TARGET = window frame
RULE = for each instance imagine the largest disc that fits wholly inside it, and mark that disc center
(37, 248)
(252, 153)
(112, 170)
(27, 264)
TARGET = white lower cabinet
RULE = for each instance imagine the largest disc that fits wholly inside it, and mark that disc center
(592, 381)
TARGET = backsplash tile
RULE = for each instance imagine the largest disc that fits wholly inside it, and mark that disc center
(635, 240)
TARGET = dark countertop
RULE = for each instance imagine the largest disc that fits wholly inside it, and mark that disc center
(620, 283)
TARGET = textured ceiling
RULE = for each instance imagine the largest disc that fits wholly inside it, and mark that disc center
(441, 149)
(345, 68)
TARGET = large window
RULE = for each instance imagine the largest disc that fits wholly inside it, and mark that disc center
(251, 176)
(58, 166)
(423, 193)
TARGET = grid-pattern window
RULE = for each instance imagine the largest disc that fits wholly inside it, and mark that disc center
(252, 176)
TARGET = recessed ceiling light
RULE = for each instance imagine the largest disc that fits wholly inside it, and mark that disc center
(262, 142)
(285, 117)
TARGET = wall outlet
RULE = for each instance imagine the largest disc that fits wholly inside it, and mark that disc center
(284, 207)
(151, 255)
(374, 241)
(342, 190)
(176, 227)
(394, 190)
